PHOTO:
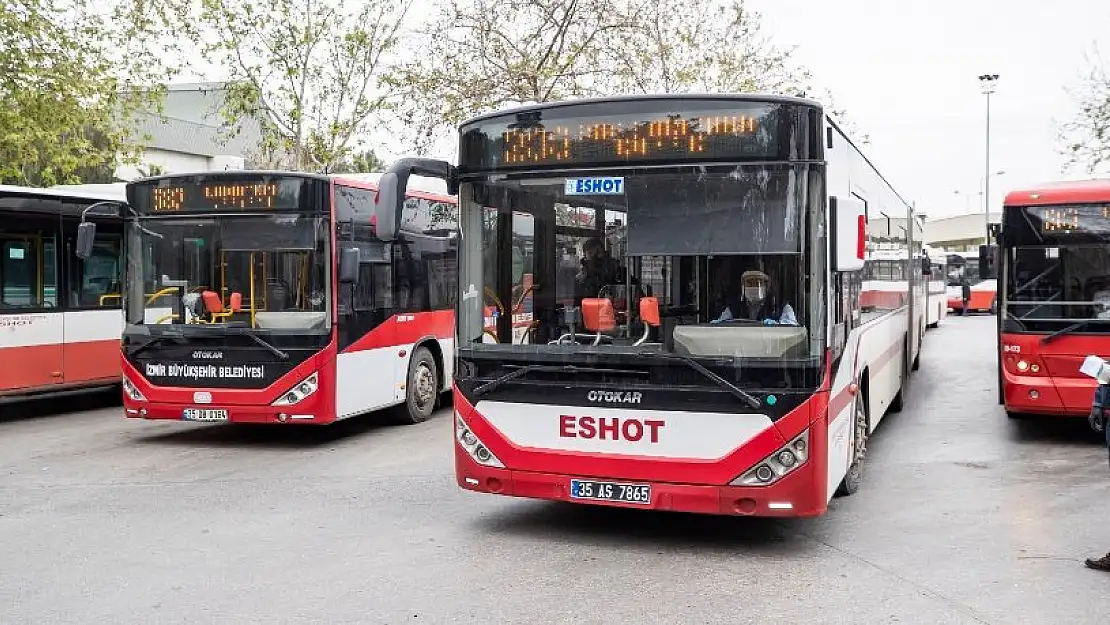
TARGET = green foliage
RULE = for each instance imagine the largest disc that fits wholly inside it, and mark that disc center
(363, 162)
(1086, 138)
(313, 72)
(67, 68)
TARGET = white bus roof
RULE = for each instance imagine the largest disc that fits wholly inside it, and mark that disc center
(84, 192)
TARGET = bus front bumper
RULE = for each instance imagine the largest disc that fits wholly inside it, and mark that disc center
(799, 494)
(194, 413)
(1065, 397)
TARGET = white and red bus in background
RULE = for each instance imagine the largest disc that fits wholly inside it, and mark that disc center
(635, 388)
(59, 315)
(266, 297)
(937, 300)
(1055, 274)
(984, 283)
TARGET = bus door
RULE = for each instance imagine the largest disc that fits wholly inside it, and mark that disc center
(31, 328)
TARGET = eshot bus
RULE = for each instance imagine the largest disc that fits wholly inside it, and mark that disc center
(937, 300)
(709, 354)
(978, 269)
(266, 297)
(59, 315)
(1055, 279)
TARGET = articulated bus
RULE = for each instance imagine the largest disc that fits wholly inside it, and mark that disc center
(937, 306)
(266, 297)
(708, 352)
(1055, 278)
(983, 282)
(59, 315)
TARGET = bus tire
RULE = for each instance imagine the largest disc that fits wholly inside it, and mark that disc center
(421, 388)
(854, 476)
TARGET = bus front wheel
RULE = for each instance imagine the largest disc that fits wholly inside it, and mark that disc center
(421, 388)
(854, 477)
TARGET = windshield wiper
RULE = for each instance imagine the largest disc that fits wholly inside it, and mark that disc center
(1068, 330)
(718, 380)
(264, 343)
(523, 370)
(161, 338)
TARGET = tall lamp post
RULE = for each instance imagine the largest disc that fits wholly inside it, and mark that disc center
(987, 83)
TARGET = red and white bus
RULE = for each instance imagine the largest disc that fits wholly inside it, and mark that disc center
(59, 315)
(1055, 280)
(648, 379)
(970, 266)
(266, 297)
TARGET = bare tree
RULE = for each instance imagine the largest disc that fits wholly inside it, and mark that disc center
(313, 72)
(482, 55)
(1086, 138)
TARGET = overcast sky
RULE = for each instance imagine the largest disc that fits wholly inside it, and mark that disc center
(907, 73)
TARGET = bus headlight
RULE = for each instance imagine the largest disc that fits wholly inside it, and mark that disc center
(300, 391)
(783, 461)
(132, 391)
(469, 441)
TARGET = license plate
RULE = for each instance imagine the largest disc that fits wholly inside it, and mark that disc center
(610, 491)
(204, 414)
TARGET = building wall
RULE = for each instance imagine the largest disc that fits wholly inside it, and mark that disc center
(959, 233)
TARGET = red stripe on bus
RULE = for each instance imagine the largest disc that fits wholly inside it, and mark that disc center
(404, 329)
(38, 367)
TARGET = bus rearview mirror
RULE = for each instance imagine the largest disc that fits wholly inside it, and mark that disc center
(387, 205)
(86, 235)
(349, 260)
(849, 225)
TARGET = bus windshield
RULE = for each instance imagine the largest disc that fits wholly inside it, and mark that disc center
(276, 264)
(1058, 259)
(724, 249)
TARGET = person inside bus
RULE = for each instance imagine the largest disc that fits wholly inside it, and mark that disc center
(755, 302)
(599, 269)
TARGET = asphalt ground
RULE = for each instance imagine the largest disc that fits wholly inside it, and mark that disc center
(965, 517)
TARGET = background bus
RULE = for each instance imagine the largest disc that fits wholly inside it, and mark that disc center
(644, 383)
(937, 306)
(1055, 275)
(984, 283)
(266, 297)
(59, 315)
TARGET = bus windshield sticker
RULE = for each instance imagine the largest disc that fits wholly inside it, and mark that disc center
(595, 186)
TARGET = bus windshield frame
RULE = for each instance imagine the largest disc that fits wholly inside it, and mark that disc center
(1054, 260)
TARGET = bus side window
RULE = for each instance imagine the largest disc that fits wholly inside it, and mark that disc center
(28, 272)
(98, 275)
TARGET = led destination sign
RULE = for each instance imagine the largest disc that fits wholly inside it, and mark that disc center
(669, 131)
(219, 195)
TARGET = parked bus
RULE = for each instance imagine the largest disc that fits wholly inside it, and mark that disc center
(984, 283)
(937, 306)
(1055, 277)
(709, 353)
(266, 297)
(59, 322)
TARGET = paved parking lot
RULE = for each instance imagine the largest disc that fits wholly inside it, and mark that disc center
(965, 517)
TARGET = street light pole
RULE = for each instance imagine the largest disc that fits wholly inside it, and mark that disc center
(987, 82)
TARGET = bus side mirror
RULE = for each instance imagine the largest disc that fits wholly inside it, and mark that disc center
(388, 203)
(849, 228)
(390, 200)
(86, 235)
(349, 260)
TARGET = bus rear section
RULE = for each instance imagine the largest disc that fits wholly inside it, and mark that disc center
(1055, 272)
(260, 297)
(684, 353)
(59, 313)
(938, 303)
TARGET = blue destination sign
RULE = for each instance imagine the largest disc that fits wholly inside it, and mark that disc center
(595, 186)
